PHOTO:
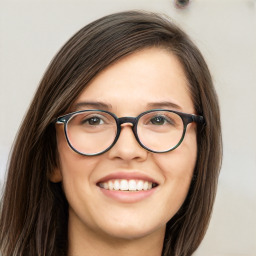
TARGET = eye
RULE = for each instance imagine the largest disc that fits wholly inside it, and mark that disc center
(158, 120)
(93, 121)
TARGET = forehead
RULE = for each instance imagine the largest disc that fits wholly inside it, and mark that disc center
(148, 76)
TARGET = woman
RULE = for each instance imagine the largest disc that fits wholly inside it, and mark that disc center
(120, 150)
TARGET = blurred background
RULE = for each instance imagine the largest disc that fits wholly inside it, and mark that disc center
(31, 32)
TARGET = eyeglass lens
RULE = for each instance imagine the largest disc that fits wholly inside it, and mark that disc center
(92, 132)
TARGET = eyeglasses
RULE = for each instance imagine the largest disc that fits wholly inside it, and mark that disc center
(93, 132)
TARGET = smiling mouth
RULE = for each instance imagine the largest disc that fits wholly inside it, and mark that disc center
(127, 185)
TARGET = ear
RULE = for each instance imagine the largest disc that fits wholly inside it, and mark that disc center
(55, 176)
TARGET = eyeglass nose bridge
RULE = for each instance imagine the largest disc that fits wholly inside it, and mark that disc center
(128, 119)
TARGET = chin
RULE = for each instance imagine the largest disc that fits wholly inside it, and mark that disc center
(130, 231)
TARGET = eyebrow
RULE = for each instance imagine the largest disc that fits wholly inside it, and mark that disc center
(105, 106)
(94, 105)
(164, 104)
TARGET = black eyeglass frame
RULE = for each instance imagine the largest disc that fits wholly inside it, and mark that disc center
(186, 119)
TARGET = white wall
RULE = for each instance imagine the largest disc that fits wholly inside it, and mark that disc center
(31, 32)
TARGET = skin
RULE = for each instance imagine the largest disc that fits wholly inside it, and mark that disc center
(101, 225)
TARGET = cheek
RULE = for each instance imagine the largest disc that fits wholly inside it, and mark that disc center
(181, 161)
(75, 169)
(177, 168)
(72, 164)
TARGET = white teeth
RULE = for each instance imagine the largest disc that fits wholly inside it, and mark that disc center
(116, 185)
(126, 185)
(145, 185)
(105, 185)
(132, 185)
(140, 185)
(110, 185)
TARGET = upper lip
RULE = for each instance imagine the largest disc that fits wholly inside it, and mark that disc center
(127, 176)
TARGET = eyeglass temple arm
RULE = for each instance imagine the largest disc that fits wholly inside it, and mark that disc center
(197, 119)
(62, 119)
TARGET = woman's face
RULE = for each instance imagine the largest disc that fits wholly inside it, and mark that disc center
(150, 78)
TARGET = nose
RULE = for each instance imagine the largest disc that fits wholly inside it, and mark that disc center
(127, 147)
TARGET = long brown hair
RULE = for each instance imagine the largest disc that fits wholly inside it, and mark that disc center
(34, 211)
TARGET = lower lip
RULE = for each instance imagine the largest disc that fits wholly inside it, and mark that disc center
(128, 196)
